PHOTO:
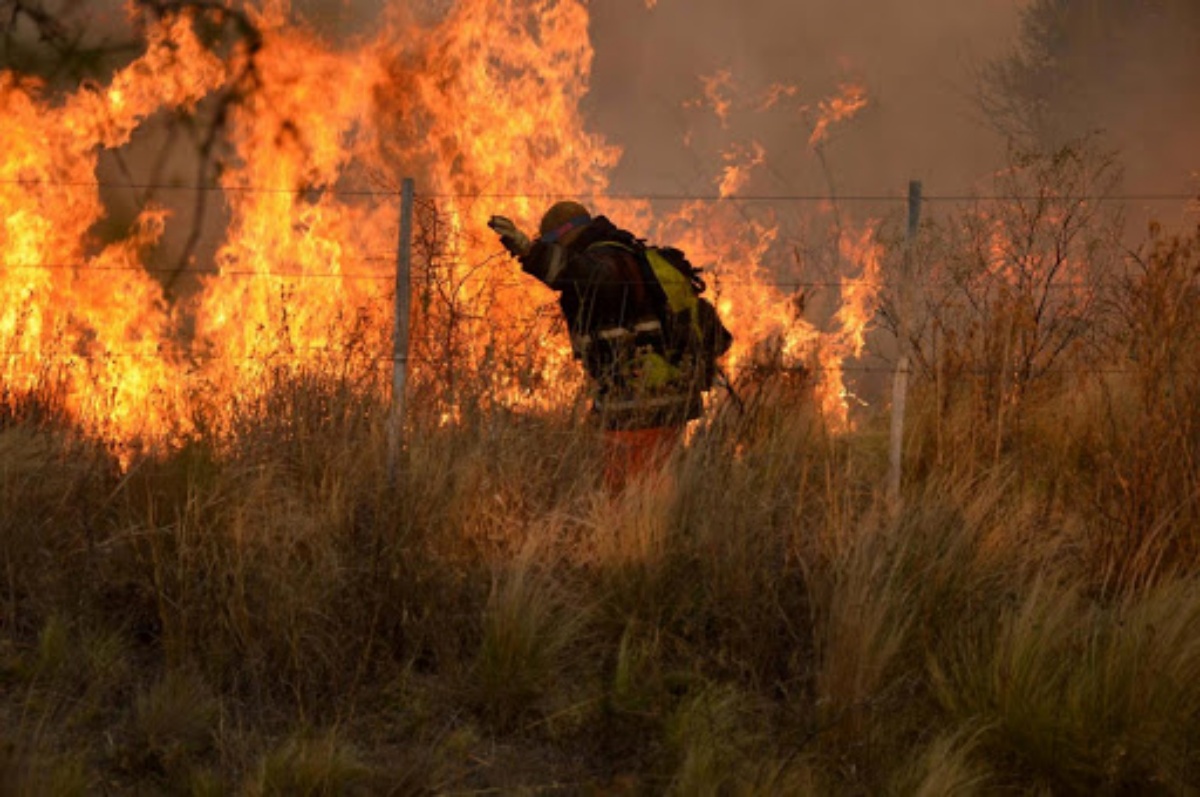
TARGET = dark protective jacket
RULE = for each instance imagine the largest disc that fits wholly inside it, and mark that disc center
(612, 306)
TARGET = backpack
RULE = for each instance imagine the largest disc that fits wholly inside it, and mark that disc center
(691, 324)
(692, 330)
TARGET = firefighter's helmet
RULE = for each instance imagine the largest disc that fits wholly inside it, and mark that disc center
(562, 219)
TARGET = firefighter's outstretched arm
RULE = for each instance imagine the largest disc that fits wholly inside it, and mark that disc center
(539, 259)
(511, 236)
(552, 263)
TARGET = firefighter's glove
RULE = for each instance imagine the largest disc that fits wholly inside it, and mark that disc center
(515, 241)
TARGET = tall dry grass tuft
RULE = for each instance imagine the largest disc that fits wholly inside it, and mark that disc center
(709, 734)
(1146, 440)
(709, 549)
(174, 724)
(26, 773)
(1084, 695)
(895, 589)
(947, 766)
(864, 614)
(311, 764)
(529, 624)
(267, 623)
(55, 491)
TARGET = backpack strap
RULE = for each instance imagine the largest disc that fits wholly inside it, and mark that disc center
(649, 278)
(689, 323)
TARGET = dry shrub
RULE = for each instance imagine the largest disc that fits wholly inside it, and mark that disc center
(1012, 303)
(1147, 439)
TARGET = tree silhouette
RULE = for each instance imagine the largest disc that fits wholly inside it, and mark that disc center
(1085, 65)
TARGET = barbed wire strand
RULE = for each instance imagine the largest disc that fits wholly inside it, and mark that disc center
(282, 358)
(591, 195)
(472, 274)
(276, 357)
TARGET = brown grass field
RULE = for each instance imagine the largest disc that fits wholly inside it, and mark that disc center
(262, 611)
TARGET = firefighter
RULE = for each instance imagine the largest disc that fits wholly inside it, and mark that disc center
(613, 307)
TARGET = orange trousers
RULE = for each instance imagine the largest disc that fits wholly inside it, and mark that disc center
(629, 454)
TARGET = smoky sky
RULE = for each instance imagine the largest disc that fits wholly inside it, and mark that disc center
(917, 60)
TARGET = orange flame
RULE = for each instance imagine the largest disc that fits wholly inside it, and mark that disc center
(93, 327)
(483, 102)
(775, 94)
(717, 87)
(844, 106)
(860, 297)
(737, 175)
(296, 279)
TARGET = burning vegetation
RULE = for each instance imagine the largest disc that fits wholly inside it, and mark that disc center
(482, 105)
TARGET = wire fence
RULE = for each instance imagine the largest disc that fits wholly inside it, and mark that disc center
(617, 196)
(288, 356)
(463, 274)
(470, 273)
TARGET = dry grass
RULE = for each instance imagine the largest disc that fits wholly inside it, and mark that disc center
(264, 611)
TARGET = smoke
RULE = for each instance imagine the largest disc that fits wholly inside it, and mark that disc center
(1133, 78)
(1124, 71)
(775, 61)
(916, 60)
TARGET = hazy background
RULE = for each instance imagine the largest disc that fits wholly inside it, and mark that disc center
(949, 83)
(917, 61)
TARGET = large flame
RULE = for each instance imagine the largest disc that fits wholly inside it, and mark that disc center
(482, 105)
(90, 325)
(299, 280)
